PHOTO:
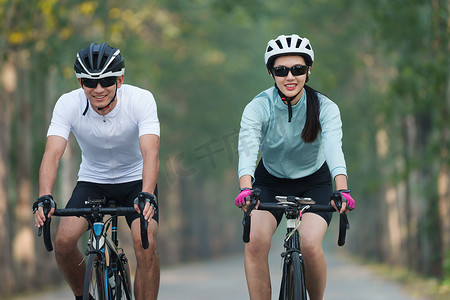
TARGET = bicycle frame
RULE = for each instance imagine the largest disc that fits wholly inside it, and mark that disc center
(106, 247)
(98, 242)
(293, 280)
(292, 244)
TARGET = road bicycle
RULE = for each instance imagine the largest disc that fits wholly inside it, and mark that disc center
(107, 274)
(293, 285)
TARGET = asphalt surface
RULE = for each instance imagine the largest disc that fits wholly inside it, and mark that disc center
(224, 279)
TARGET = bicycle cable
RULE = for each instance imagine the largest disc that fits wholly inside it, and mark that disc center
(290, 234)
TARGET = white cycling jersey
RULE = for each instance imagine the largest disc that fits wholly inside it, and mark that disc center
(109, 144)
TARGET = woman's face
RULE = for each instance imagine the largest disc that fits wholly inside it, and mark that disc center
(290, 85)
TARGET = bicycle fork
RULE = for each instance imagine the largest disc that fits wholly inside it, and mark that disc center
(292, 247)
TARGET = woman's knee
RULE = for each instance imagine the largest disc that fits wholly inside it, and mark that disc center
(312, 231)
(262, 228)
(311, 249)
(258, 246)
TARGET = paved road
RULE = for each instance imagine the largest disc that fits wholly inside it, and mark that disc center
(224, 280)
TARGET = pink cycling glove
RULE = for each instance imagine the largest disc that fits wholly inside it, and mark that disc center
(240, 199)
(349, 200)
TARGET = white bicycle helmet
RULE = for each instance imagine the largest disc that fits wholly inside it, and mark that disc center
(288, 44)
(99, 61)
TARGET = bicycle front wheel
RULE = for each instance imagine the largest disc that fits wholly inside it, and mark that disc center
(293, 282)
(94, 279)
(123, 282)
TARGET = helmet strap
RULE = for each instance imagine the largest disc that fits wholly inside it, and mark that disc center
(288, 100)
(87, 107)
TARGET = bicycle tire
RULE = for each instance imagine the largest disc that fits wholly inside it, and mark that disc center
(123, 281)
(94, 279)
(293, 285)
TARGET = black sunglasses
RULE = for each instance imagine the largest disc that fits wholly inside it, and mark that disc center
(295, 70)
(104, 82)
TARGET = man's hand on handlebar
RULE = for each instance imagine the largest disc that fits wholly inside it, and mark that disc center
(47, 202)
(151, 205)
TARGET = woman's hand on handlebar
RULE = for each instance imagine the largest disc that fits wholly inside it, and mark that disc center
(243, 200)
(342, 201)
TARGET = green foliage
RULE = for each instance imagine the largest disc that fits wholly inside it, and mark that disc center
(413, 38)
(447, 269)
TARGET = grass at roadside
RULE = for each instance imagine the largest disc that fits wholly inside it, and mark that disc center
(417, 285)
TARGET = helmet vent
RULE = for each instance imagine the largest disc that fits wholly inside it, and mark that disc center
(99, 61)
(279, 44)
(288, 45)
(101, 55)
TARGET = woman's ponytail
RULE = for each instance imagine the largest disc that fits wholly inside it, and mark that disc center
(312, 125)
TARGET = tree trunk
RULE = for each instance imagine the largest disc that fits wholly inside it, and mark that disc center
(442, 42)
(7, 89)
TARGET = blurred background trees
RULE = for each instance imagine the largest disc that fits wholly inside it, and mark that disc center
(385, 63)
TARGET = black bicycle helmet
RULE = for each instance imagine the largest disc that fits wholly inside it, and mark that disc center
(99, 61)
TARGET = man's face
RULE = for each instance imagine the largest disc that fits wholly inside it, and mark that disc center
(100, 96)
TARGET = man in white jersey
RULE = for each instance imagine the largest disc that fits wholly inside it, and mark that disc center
(117, 128)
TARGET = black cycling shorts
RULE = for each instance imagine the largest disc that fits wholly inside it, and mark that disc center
(123, 194)
(317, 186)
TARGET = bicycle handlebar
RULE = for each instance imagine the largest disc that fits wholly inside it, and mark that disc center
(79, 212)
(255, 197)
(95, 210)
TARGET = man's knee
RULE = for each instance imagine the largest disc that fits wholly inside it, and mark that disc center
(137, 243)
(151, 251)
(65, 245)
(67, 237)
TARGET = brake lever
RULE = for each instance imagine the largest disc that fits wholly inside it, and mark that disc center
(246, 222)
(46, 210)
(144, 224)
(338, 200)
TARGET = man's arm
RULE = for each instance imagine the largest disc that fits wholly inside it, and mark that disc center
(54, 149)
(149, 144)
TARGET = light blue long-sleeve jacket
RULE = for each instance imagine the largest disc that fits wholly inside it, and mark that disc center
(265, 127)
